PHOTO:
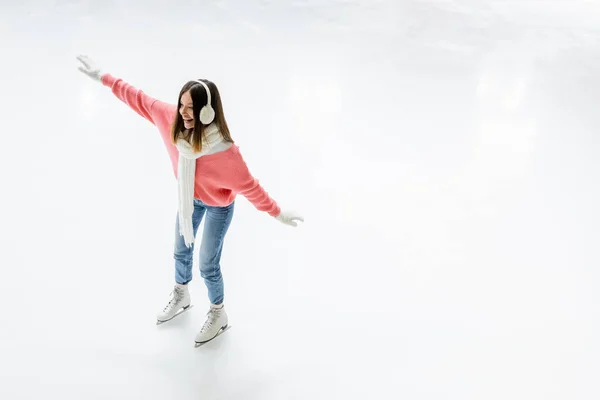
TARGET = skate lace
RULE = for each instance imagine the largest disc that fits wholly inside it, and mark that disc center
(212, 316)
(176, 296)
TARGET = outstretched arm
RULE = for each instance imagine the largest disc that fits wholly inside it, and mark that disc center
(248, 186)
(143, 104)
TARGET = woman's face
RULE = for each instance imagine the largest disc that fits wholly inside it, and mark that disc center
(187, 110)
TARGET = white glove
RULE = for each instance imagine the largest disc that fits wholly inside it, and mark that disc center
(89, 68)
(289, 218)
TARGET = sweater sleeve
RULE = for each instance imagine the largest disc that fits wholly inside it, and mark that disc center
(248, 186)
(146, 106)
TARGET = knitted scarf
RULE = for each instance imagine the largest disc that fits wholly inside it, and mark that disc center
(186, 173)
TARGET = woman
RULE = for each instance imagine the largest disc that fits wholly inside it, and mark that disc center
(210, 172)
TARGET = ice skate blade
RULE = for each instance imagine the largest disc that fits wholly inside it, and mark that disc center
(221, 331)
(178, 313)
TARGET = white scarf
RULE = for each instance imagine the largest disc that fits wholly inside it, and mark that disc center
(186, 173)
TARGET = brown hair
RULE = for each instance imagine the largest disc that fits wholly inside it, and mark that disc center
(199, 98)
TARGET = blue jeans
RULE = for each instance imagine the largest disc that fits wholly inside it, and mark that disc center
(217, 222)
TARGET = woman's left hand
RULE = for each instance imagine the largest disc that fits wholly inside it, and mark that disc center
(289, 218)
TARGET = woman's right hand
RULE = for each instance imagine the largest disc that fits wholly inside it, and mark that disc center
(89, 68)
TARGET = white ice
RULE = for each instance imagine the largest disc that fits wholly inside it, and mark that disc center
(444, 154)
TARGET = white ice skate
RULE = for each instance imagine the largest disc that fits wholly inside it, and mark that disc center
(215, 324)
(178, 303)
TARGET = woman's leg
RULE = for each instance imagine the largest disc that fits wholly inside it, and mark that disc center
(216, 225)
(183, 255)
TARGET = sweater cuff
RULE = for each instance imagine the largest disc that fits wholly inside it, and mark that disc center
(275, 212)
(108, 80)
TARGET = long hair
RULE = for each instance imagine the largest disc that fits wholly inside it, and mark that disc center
(199, 98)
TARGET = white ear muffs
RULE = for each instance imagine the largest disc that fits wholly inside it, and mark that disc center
(207, 114)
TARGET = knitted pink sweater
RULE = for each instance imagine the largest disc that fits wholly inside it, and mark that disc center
(219, 176)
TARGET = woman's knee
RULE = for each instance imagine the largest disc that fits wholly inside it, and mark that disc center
(181, 251)
(210, 270)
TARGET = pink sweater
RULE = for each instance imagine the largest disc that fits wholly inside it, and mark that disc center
(219, 176)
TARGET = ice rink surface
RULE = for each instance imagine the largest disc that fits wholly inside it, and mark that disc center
(443, 153)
